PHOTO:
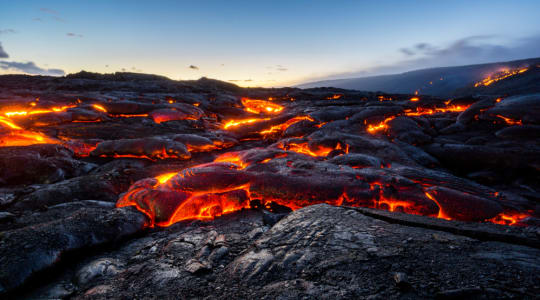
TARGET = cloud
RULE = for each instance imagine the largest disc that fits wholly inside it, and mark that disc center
(71, 34)
(193, 67)
(3, 54)
(53, 13)
(30, 68)
(48, 11)
(407, 51)
(277, 68)
(37, 19)
(7, 31)
(465, 51)
(239, 80)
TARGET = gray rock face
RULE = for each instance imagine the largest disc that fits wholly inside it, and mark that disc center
(30, 249)
(314, 252)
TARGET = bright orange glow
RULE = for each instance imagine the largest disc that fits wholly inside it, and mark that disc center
(441, 214)
(235, 123)
(9, 123)
(99, 107)
(284, 126)
(130, 116)
(379, 127)
(393, 204)
(38, 111)
(21, 137)
(165, 177)
(231, 157)
(510, 121)
(261, 106)
(500, 76)
(303, 148)
(334, 97)
(508, 219)
(414, 99)
(420, 111)
(383, 98)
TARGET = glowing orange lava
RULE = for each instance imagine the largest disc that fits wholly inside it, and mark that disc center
(282, 127)
(420, 111)
(500, 76)
(374, 128)
(231, 157)
(334, 97)
(236, 123)
(508, 219)
(510, 121)
(261, 106)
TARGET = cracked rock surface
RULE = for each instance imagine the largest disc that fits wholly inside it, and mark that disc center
(320, 251)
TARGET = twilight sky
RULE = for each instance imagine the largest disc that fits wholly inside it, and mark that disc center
(262, 43)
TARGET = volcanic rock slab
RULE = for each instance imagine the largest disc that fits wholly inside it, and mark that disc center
(314, 252)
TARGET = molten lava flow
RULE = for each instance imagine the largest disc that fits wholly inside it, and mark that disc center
(282, 127)
(99, 107)
(165, 177)
(235, 123)
(510, 121)
(441, 214)
(508, 219)
(130, 116)
(414, 99)
(383, 98)
(261, 106)
(17, 136)
(379, 127)
(500, 76)
(232, 157)
(304, 148)
(20, 113)
(334, 97)
(420, 111)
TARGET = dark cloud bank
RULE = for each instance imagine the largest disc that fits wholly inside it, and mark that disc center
(3, 53)
(30, 68)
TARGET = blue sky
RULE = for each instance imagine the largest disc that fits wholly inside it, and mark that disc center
(267, 43)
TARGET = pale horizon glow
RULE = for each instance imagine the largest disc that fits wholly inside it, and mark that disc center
(253, 43)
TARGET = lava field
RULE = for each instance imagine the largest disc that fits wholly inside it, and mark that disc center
(136, 186)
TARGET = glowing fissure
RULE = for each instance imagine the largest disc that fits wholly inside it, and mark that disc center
(501, 75)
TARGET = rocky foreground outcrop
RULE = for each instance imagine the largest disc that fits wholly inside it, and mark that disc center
(320, 251)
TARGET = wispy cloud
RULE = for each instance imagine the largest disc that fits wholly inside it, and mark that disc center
(7, 31)
(240, 80)
(29, 68)
(48, 11)
(277, 68)
(53, 13)
(3, 53)
(468, 50)
(71, 34)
